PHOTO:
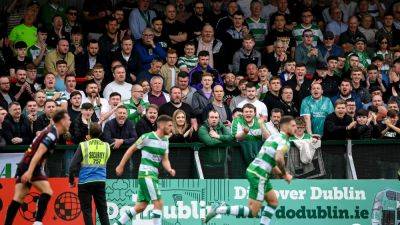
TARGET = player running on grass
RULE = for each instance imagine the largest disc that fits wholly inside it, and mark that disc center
(154, 146)
(269, 160)
(30, 170)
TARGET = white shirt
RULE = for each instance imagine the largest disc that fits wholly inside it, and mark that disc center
(92, 62)
(173, 76)
(123, 89)
(271, 128)
(260, 107)
(105, 107)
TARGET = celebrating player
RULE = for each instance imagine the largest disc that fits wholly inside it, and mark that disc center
(269, 160)
(30, 169)
(154, 146)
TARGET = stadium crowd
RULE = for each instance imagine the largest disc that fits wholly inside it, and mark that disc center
(223, 70)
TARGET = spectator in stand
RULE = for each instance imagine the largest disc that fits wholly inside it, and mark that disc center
(31, 111)
(197, 20)
(329, 48)
(136, 106)
(251, 98)
(300, 133)
(71, 20)
(214, 132)
(61, 69)
(282, 10)
(233, 37)
(367, 27)
(195, 75)
(336, 25)
(60, 53)
(160, 36)
(176, 30)
(155, 69)
(241, 97)
(84, 63)
(288, 106)
(347, 39)
(38, 51)
(100, 105)
(21, 90)
(52, 93)
(389, 128)
(315, 108)
(140, 18)
(299, 84)
(346, 92)
(308, 53)
(396, 13)
(216, 13)
(176, 103)
(43, 120)
(146, 50)
(31, 77)
(78, 42)
(246, 55)
(25, 31)
(74, 106)
(307, 24)
(97, 75)
(189, 61)
(225, 22)
(389, 31)
(80, 126)
(230, 89)
(327, 78)
(279, 32)
(252, 73)
(113, 103)
(338, 124)
(219, 105)
(374, 79)
(364, 127)
(288, 71)
(109, 42)
(272, 99)
(20, 60)
(182, 131)
(49, 10)
(17, 126)
(263, 84)
(257, 25)
(358, 86)
(56, 32)
(156, 96)
(126, 57)
(3, 114)
(70, 85)
(183, 84)
(148, 122)
(40, 99)
(94, 15)
(276, 59)
(145, 85)
(169, 71)
(392, 104)
(118, 85)
(202, 97)
(215, 48)
(183, 12)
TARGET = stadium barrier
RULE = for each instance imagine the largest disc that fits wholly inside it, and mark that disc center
(370, 159)
(311, 202)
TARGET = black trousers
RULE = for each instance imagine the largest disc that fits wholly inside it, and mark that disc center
(97, 190)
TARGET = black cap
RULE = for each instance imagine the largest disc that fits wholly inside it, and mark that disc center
(360, 38)
(329, 35)
(20, 44)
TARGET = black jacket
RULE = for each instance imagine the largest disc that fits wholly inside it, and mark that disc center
(145, 126)
(219, 56)
(3, 102)
(112, 130)
(21, 129)
(41, 122)
(79, 130)
(210, 107)
(82, 66)
(335, 127)
(272, 63)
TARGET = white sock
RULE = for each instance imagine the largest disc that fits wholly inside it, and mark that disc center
(129, 214)
(235, 210)
(37, 223)
(157, 214)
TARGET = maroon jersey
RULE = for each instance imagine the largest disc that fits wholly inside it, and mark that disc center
(48, 137)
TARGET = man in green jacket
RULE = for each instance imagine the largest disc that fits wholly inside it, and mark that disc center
(212, 133)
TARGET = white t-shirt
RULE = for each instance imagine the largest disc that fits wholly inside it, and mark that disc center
(105, 107)
(260, 107)
(123, 89)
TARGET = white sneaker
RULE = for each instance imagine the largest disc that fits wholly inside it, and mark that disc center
(37, 223)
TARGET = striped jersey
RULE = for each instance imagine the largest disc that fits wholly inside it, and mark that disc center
(188, 62)
(33, 52)
(298, 33)
(61, 99)
(153, 149)
(254, 134)
(264, 162)
(259, 29)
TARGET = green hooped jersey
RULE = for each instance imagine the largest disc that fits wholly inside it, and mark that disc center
(254, 129)
(153, 149)
(264, 162)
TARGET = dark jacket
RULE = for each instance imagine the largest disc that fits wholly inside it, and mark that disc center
(354, 96)
(82, 66)
(361, 132)
(41, 122)
(210, 107)
(219, 57)
(21, 129)
(130, 65)
(335, 127)
(3, 102)
(112, 130)
(79, 130)
(199, 103)
(145, 126)
(272, 63)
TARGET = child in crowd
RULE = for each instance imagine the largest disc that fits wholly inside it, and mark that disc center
(364, 128)
(189, 60)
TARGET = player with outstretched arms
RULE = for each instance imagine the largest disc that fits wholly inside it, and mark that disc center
(30, 170)
(270, 160)
(154, 147)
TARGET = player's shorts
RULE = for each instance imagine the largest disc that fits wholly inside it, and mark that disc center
(37, 175)
(148, 189)
(258, 186)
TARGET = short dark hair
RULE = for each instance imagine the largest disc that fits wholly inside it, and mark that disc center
(372, 67)
(340, 102)
(331, 57)
(87, 105)
(75, 93)
(95, 130)
(250, 85)
(115, 94)
(50, 100)
(203, 53)
(163, 119)
(59, 115)
(183, 74)
(212, 111)
(298, 64)
(93, 41)
(61, 61)
(285, 120)
(13, 103)
(250, 106)
(157, 18)
(392, 113)
(277, 110)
